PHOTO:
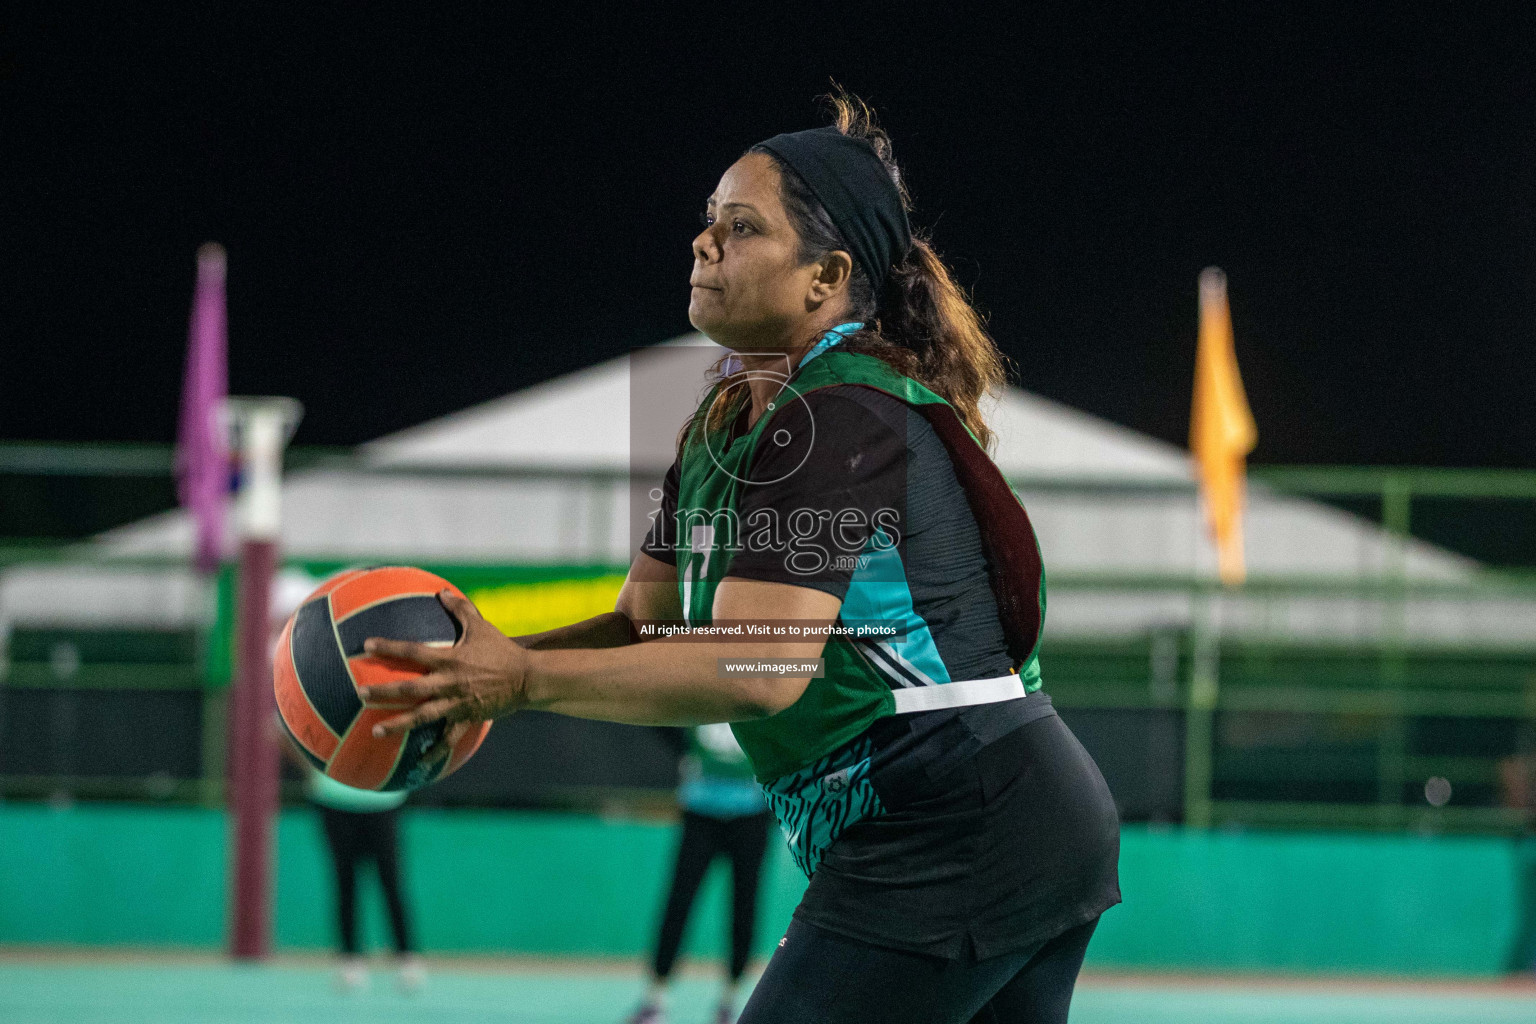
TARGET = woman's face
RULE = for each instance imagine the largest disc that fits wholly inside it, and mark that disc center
(749, 291)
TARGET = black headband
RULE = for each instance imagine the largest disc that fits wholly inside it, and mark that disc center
(857, 192)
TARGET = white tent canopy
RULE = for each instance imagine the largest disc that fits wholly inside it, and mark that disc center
(576, 437)
(583, 421)
(564, 472)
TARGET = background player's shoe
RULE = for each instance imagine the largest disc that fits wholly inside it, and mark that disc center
(650, 1013)
(413, 974)
(352, 976)
(726, 1014)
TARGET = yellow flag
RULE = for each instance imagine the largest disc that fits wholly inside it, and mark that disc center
(1221, 427)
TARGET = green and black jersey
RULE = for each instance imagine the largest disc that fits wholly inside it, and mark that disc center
(861, 483)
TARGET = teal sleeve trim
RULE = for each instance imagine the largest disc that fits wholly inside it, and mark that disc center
(829, 339)
(878, 592)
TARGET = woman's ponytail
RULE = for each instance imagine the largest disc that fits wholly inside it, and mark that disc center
(927, 329)
(921, 323)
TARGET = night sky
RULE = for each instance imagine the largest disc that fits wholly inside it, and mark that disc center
(427, 212)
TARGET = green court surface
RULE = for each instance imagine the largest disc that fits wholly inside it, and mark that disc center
(38, 991)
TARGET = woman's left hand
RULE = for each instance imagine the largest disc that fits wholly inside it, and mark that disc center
(479, 678)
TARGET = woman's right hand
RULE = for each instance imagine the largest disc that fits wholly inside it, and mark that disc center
(479, 678)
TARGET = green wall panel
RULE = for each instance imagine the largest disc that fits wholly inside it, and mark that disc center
(1312, 901)
(111, 875)
(485, 881)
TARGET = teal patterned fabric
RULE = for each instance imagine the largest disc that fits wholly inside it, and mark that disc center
(814, 805)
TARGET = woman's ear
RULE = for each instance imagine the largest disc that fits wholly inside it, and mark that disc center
(833, 272)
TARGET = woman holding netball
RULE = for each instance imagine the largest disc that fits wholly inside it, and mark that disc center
(960, 843)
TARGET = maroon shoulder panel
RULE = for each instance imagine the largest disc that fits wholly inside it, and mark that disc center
(1006, 533)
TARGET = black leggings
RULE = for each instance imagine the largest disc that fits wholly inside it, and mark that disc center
(354, 838)
(819, 977)
(704, 838)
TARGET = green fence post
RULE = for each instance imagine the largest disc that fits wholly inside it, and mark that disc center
(1200, 710)
(211, 784)
(1392, 734)
(214, 673)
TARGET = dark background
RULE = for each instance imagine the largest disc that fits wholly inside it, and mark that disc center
(427, 211)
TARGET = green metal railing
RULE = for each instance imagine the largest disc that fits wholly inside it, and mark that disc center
(1395, 487)
(124, 458)
(1390, 686)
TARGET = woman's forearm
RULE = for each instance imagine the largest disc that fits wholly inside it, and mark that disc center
(610, 629)
(663, 682)
(681, 680)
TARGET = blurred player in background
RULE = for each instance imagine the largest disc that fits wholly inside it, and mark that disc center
(361, 827)
(1517, 782)
(723, 814)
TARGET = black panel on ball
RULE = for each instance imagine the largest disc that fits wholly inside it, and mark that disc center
(419, 617)
(321, 669)
(409, 772)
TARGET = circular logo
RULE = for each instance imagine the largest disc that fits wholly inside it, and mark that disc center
(836, 782)
(786, 394)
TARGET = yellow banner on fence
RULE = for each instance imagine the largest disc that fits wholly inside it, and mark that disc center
(534, 606)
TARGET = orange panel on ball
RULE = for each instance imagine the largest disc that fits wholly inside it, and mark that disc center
(380, 585)
(332, 582)
(361, 760)
(298, 714)
(371, 671)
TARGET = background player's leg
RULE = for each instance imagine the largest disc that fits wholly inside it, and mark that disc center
(748, 843)
(1522, 952)
(384, 846)
(1041, 993)
(345, 845)
(699, 843)
(342, 840)
(698, 846)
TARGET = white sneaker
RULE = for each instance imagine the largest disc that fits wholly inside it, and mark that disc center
(352, 976)
(413, 974)
(650, 1013)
